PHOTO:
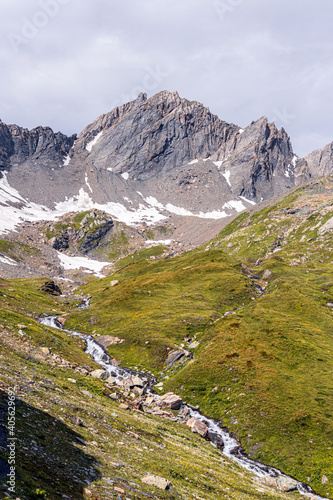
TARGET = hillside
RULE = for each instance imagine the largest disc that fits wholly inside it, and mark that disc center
(79, 438)
(254, 308)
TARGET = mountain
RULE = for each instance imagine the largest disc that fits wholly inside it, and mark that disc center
(148, 161)
(239, 328)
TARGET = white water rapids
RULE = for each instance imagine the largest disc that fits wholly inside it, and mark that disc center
(220, 437)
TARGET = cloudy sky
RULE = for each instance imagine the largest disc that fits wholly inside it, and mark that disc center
(65, 62)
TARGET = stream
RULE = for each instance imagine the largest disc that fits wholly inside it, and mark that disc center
(218, 435)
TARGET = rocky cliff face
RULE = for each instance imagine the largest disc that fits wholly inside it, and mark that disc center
(319, 162)
(6, 146)
(148, 135)
(41, 145)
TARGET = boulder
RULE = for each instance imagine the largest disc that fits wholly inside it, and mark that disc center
(124, 406)
(107, 340)
(287, 484)
(111, 380)
(137, 381)
(162, 413)
(139, 390)
(173, 357)
(170, 401)
(283, 483)
(45, 350)
(51, 288)
(324, 480)
(149, 400)
(100, 374)
(77, 421)
(157, 481)
(197, 426)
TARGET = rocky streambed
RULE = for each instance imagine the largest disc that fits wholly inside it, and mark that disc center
(142, 384)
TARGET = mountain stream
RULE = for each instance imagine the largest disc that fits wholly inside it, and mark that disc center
(219, 436)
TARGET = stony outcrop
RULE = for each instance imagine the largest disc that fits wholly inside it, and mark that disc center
(157, 481)
(282, 483)
(84, 236)
(51, 288)
(107, 340)
(198, 426)
(170, 401)
(100, 374)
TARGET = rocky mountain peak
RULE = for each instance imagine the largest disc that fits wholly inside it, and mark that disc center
(147, 135)
(153, 157)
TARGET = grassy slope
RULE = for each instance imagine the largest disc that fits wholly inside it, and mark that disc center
(266, 371)
(53, 464)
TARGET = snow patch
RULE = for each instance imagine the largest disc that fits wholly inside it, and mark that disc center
(226, 175)
(193, 162)
(154, 203)
(91, 266)
(110, 169)
(154, 243)
(241, 130)
(178, 210)
(235, 205)
(218, 163)
(92, 143)
(7, 260)
(83, 202)
(286, 173)
(216, 214)
(87, 183)
(125, 175)
(248, 201)
(294, 160)
(66, 161)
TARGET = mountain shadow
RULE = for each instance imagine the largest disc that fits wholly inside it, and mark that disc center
(50, 458)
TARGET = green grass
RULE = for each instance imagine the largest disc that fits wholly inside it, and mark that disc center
(52, 463)
(271, 361)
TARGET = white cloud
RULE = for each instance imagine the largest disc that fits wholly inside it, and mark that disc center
(90, 56)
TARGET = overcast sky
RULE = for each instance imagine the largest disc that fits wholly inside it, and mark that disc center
(65, 62)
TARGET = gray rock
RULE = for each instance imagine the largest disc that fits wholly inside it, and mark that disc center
(173, 357)
(100, 374)
(169, 401)
(157, 481)
(282, 483)
(77, 421)
(19, 144)
(197, 426)
(287, 484)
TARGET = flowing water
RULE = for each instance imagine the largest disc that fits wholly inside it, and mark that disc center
(219, 436)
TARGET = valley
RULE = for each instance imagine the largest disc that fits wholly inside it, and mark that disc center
(206, 253)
